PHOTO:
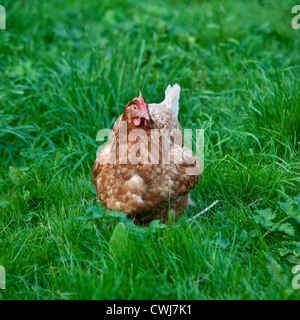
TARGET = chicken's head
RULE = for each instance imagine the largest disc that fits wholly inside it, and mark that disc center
(137, 111)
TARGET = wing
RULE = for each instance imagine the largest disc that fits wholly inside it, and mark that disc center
(168, 182)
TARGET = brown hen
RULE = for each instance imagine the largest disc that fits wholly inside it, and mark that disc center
(145, 171)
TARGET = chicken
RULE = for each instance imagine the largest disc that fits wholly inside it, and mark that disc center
(145, 171)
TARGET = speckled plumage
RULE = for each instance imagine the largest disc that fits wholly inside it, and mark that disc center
(146, 191)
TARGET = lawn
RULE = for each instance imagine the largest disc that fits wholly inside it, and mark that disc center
(68, 68)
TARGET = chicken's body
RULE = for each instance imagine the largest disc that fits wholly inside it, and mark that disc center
(145, 190)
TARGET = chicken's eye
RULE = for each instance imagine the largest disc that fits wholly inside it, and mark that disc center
(134, 107)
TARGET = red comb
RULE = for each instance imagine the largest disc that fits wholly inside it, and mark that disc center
(140, 98)
(142, 102)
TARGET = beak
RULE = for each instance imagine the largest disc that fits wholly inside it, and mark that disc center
(145, 115)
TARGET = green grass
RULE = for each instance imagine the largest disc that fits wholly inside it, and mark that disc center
(67, 69)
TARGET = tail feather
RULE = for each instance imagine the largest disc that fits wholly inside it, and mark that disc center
(172, 99)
